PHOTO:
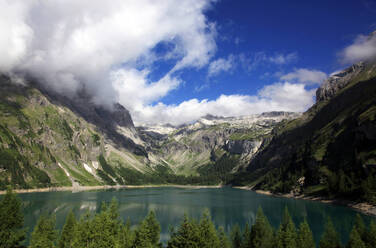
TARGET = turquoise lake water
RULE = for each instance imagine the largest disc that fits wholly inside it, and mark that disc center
(227, 206)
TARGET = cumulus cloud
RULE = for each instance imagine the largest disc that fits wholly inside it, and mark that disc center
(305, 76)
(108, 47)
(362, 49)
(279, 96)
(221, 65)
(69, 44)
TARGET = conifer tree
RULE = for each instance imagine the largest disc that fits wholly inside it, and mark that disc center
(208, 232)
(68, 231)
(261, 232)
(126, 237)
(330, 238)
(355, 241)
(286, 234)
(187, 235)
(246, 236)
(11, 221)
(360, 227)
(83, 234)
(44, 234)
(371, 234)
(147, 234)
(236, 237)
(223, 239)
(305, 236)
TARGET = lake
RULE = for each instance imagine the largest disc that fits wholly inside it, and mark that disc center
(227, 206)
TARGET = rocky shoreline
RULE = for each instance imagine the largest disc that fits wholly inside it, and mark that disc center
(362, 207)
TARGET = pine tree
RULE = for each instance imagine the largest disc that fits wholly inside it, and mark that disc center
(371, 241)
(305, 237)
(126, 237)
(147, 234)
(236, 237)
(83, 234)
(360, 227)
(187, 236)
(44, 234)
(11, 220)
(208, 232)
(355, 241)
(286, 234)
(261, 232)
(223, 239)
(68, 231)
(246, 236)
(330, 238)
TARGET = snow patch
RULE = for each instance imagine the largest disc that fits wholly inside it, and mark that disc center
(66, 172)
(89, 169)
(95, 165)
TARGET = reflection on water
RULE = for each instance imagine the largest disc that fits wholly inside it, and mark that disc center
(227, 207)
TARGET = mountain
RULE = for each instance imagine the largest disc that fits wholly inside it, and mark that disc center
(51, 140)
(331, 149)
(190, 149)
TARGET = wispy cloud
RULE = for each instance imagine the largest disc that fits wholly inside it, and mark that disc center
(363, 48)
(221, 65)
(250, 62)
(305, 76)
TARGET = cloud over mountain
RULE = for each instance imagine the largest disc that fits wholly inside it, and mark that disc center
(112, 47)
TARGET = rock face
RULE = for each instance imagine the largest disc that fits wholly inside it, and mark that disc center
(201, 143)
(332, 145)
(338, 81)
(243, 146)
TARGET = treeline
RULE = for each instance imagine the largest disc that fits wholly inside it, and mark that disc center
(106, 230)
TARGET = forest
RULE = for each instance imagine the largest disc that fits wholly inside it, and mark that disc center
(106, 229)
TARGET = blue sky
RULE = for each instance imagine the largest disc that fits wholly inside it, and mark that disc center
(170, 61)
(316, 31)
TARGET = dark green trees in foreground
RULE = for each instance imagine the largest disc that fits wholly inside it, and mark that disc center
(106, 230)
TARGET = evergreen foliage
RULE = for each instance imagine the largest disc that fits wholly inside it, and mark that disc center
(355, 241)
(223, 239)
(105, 229)
(44, 234)
(286, 234)
(261, 233)
(11, 221)
(330, 238)
(305, 236)
(236, 238)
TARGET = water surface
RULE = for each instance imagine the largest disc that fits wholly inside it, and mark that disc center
(227, 207)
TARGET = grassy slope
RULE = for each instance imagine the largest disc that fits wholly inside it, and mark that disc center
(332, 146)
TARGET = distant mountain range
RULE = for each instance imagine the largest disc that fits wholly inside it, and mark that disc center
(49, 140)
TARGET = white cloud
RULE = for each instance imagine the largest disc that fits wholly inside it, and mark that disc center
(305, 76)
(278, 96)
(282, 59)
(69, 43)
(362, 49)
(221, 65)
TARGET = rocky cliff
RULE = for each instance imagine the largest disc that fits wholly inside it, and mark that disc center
(331, 149)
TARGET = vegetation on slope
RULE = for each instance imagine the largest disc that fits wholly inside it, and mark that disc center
(330, 150)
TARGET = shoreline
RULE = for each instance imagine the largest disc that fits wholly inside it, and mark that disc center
(100, 187)
(362, 207)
